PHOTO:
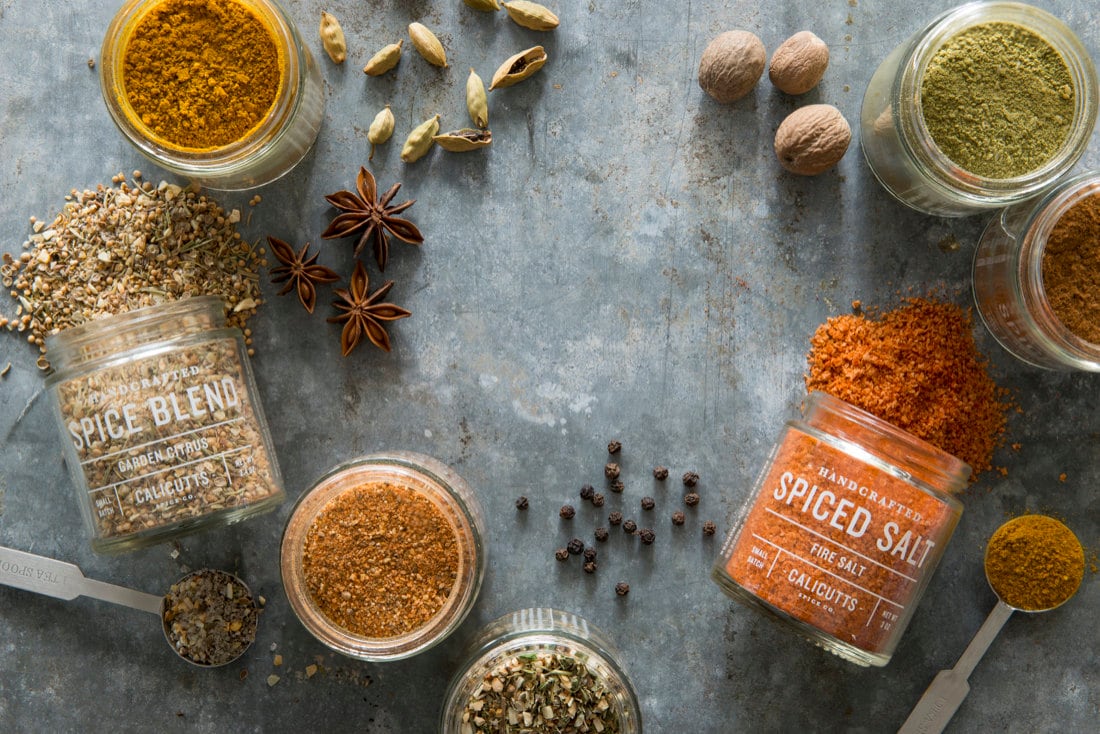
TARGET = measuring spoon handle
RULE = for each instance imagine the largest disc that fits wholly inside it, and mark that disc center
(62, 580)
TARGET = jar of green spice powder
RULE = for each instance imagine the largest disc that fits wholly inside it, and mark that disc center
(987, 106)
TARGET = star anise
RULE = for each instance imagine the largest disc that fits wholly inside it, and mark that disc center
(362, 314)
(372, 217)
(300, 272)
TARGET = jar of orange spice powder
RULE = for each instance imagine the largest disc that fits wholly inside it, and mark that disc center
(843, 530)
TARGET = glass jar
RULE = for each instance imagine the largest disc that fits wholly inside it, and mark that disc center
(843, 530)
(896, 141)
(1008, 281)
(528, 635)
(162, 425)
(268, 150)
(422, 477)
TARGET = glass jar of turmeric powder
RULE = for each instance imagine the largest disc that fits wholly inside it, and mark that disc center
(1035, 277)
(843, 530)
(987, 106)
(222, 92)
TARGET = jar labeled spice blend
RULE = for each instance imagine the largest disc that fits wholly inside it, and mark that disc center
(843, 531)
(987, 106)
(384, 556)
(161, 422)
(221, 91)
(1035, 277)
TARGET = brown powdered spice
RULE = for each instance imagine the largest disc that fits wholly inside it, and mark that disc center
(1034, 563)
(1071, 258)
(380, 560)
(918, 368)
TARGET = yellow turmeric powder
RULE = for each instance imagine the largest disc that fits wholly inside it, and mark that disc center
(201, 74)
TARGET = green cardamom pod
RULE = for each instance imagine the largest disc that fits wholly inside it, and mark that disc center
(420, 140)
(380, 130)
(427, 44)
(486, 5)
(460, 141)
(518, 68)
(384, 60)
(476, 100)
(531, 15)
(332, 38)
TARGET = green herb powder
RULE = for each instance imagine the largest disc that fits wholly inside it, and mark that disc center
(998, 100)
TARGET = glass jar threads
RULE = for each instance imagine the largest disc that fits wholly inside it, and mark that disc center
(986, 106)
(384, 556)
(1035, 277)
(223, 92)
(162, 425)
(529, 670)
(843, 530)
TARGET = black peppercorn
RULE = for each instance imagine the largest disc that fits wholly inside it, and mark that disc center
(690, 479)
(660, 473)
(648, 503)
(576, 546)
(521, 503)
(601, 534)
(709, 528)
(587, 491)
(677, 518)
(622, 589)
(566, 512)
(617, 486)
(590, 567)
(561, 554)
(615, 518)
(589, 554)
(630, 526)
(597, 500)
(613, 447)
(648, 536)
(691, 499)
(611, 470)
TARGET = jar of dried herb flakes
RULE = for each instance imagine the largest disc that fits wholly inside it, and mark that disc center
(161, 422)
(986, 106)
(844, 529)
(535, 668)
(383, 556)
(223, 92)
(1035, 282)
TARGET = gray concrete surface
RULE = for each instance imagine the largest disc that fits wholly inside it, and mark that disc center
(627, 261)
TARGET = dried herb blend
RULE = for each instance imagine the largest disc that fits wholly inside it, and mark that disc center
(1071, 258)
(210, 617)
(998, 100)
(1034, 562)
(541, 692)
(380, 560)
(201, 74)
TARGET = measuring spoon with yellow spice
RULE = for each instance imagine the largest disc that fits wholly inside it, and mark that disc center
(1034, 563)
(208, 617)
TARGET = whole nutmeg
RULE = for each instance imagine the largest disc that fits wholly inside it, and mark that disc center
(731, 65)
(799, 63)
(812, 139)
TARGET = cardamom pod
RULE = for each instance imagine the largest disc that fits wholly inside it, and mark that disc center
(332, 38)
(460, 141)
(427, 44)
(384, 60)
(531, 15)
(518, 68)
(420, 140)
(486, 5)
(476, 101)
(380, 130)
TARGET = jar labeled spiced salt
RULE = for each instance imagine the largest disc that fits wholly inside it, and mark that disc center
(161, 422)
(1035, 277)
(843, 530)
(223, 92)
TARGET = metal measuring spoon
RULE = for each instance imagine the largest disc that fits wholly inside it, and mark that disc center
(949, 688)
(65, 581)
